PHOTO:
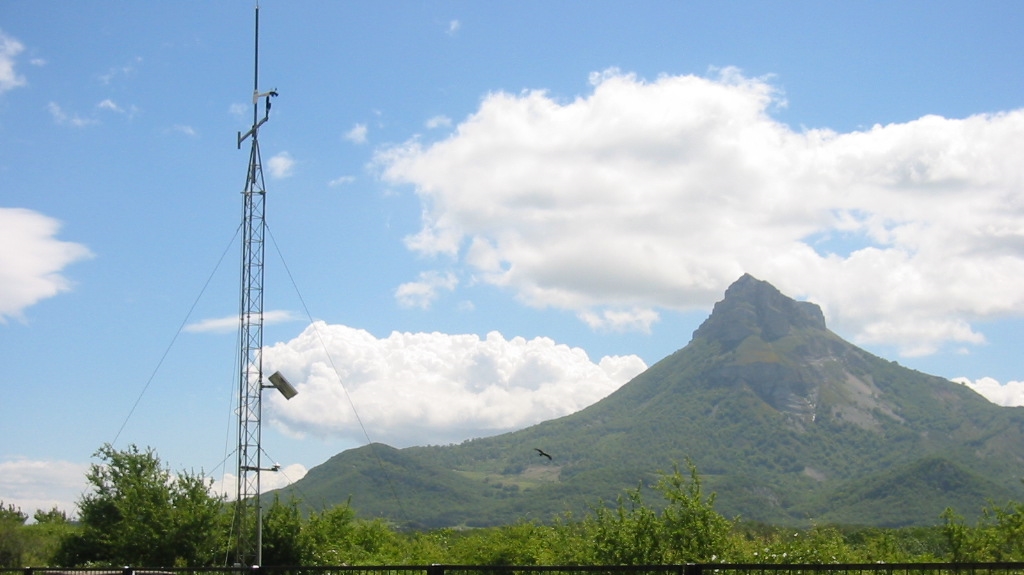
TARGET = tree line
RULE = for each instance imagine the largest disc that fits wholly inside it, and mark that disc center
(138, 513)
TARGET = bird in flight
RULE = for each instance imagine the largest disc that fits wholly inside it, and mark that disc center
(540, 453)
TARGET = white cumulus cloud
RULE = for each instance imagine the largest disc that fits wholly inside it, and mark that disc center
(1009, 395)
(32, 259)
(425, 290)
(420, 388)
(281, 165)
(357, 134)
(9, 50)
(646, 195)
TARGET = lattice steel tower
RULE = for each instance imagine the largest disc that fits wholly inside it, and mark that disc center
(248, 524)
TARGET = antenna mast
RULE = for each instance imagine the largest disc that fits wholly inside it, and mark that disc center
(248, 513)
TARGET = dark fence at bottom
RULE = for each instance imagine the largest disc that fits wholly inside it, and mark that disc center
(687, 569)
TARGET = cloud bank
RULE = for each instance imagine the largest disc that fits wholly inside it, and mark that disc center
(33, 485)
(420, 388)
(31, 260)
(433, 388)
(1009, 395)
(647, 195)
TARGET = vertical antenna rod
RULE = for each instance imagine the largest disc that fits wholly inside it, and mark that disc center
(248, 514)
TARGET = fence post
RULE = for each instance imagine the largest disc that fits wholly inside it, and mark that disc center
(435, 569)
(127, 570)
(693, 569)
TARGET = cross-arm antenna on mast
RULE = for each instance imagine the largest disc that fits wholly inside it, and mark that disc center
(256, 95)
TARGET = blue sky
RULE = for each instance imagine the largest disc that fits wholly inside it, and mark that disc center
(493, 213)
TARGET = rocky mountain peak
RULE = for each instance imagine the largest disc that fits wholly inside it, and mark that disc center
(755, 307)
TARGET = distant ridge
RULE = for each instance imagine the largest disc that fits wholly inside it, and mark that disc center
(785, 420)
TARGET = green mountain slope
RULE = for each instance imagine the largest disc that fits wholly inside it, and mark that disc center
(787, 422)
(924, 487)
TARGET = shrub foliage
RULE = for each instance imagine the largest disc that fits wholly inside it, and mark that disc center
(139, 513)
